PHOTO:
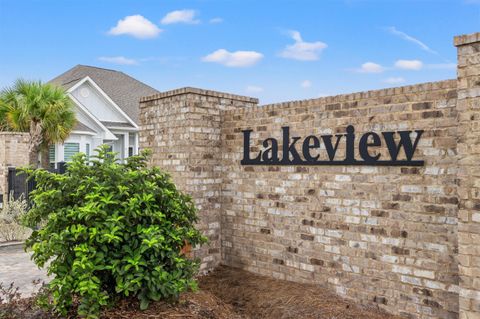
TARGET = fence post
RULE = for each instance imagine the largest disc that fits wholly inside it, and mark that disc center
(62, 167)
(29, 188)
(12, 172)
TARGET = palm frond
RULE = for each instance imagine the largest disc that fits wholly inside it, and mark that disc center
(31, 101)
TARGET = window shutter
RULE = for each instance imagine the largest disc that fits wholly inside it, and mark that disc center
(51, 154)
(87, 150)
(70, 149)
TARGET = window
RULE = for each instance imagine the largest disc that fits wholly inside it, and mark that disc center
(51, 154)
(70, 149)
(87, 150)
(109, 147)
(130, 151)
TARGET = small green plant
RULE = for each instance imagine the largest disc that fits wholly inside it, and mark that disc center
(111, 231)
(10, 220)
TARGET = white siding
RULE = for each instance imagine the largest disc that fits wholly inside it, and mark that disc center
(97, 104)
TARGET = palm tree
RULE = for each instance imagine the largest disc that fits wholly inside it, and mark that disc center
(43, 110)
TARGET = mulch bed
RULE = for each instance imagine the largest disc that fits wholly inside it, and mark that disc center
(229, 293)
(254, 296)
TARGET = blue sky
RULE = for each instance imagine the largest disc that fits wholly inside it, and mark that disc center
(274, 50)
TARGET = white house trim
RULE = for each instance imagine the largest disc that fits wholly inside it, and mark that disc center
(108, 135)
(119, 128)
(104, 95)
(84, 133)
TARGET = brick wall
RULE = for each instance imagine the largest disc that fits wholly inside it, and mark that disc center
(384, 235)
(402, 238)
(182, 127)
(13, 152)
(468, 106)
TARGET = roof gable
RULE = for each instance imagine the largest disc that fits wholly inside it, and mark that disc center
(86, 117)
(93, 100)
(122, 89)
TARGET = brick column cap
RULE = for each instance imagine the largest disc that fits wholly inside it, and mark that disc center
(466, 39)
(192, 90)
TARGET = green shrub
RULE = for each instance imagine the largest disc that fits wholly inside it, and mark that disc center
(111, 231)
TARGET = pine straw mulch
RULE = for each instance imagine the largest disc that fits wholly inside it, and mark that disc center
(229, 293)
(254, 296)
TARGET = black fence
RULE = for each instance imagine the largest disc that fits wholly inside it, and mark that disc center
(19, 184)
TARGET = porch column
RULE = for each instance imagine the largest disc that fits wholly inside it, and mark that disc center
(126, 143)
(136, 147)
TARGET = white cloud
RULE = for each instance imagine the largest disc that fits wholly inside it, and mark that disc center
(234, 59)
(409, 38)
(301, 50)
(136, 26)
(253, 89)
(216, 20)
(180, 16)
(394, 80)
(118, 60)
(409, 64)
(306, 84)
(370, 67)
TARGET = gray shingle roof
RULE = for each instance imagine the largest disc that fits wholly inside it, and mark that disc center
(83, 127)
(124, 90)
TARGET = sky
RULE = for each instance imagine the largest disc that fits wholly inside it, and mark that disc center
(274, 50)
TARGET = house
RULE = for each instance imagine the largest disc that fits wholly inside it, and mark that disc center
(107, 108)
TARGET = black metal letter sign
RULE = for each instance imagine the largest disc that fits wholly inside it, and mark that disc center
(310, 147)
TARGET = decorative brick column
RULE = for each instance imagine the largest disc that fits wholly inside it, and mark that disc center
(468, 106)
(13, 152)
(182, 128)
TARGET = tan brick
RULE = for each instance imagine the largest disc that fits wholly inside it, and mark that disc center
(398, 227)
